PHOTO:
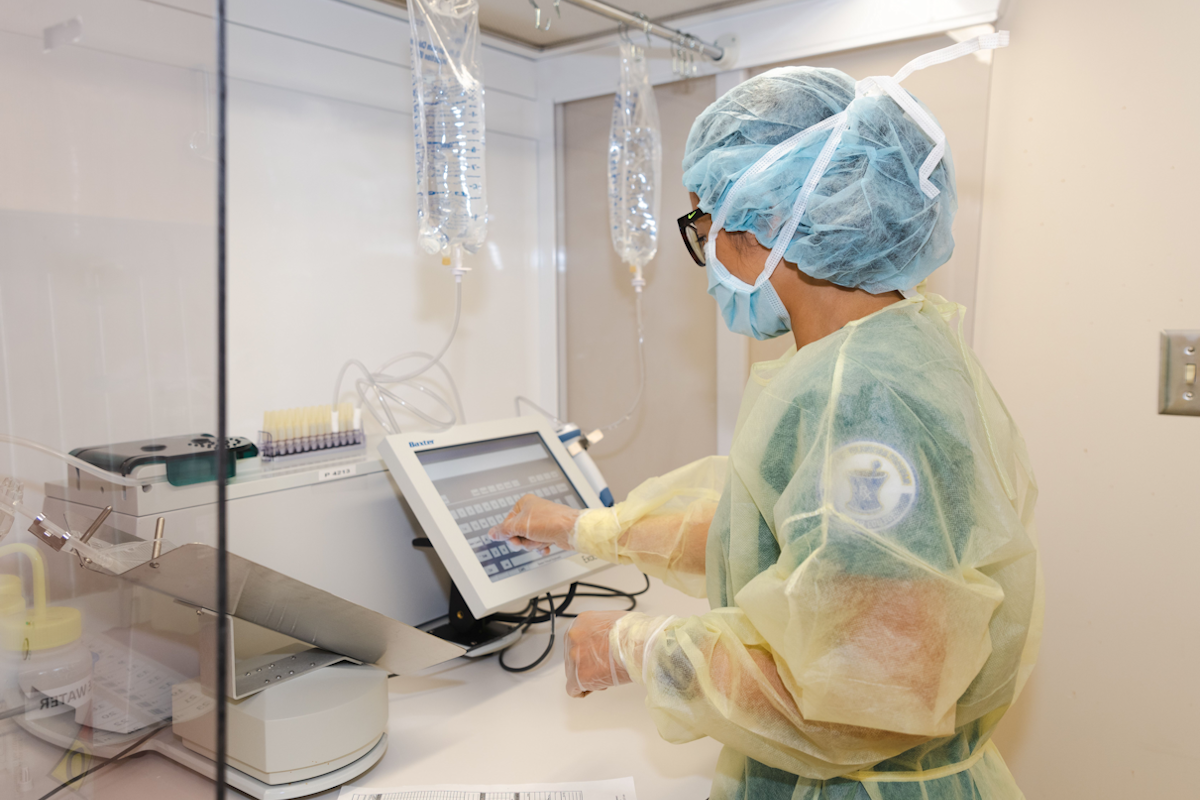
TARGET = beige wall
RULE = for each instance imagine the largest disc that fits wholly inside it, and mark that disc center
(676, 422)
(957, 94)
(1088, 247)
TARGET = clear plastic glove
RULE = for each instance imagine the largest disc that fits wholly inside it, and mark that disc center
(536, 524)
(590, 663)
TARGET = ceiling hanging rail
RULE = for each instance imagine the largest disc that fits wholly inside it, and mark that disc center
(722, 53)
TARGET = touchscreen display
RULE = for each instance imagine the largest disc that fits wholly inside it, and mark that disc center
(480, 482)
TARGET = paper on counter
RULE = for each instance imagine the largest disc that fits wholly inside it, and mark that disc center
(618, 789)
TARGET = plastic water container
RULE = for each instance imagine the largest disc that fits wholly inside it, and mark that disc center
(41, 648)
(53, 680)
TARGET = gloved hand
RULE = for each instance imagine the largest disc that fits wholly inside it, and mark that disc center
(535, 524)
(590, 664)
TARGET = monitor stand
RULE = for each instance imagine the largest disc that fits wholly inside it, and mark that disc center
(481, 636)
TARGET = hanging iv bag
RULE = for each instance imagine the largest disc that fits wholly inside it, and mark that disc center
(448, 124)
(634, 162)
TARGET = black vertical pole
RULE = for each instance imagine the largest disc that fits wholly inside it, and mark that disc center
(222, 653)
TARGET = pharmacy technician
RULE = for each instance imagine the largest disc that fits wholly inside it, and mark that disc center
(868, 547)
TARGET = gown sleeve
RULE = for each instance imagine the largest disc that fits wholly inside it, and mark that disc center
(858, 642)
(661, 527)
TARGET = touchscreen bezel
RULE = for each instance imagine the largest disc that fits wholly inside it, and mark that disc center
(484, 596)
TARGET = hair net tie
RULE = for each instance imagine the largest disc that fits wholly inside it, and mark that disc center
(991, 41)
(903, 274)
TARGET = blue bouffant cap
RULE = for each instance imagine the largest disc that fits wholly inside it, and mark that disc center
(867, 224)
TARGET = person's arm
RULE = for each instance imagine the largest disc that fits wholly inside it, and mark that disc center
(662, 527)
(858, 643)
(868, 668)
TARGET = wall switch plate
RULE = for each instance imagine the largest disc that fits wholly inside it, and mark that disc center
(1178, 391)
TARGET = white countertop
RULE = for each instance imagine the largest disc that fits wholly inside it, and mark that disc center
(469, 721)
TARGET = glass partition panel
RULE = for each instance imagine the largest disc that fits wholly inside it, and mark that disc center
(343, 330)
(108, 331)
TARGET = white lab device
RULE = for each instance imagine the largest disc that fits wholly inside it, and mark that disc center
(313, 523)
(461, 482)
(320, 553)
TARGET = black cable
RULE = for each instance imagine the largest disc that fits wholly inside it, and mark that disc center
(562, 607)
(518, 617)
(530, 616)
(533, 613)
(604, 592)
(549, 645)
(571, 594)
(119, 757)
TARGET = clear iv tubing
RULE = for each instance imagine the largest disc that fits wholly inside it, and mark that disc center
(376, 383)
(78, 463)
(637, 401)
(521, 399)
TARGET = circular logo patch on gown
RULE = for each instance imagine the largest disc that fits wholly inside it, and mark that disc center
(872, 484)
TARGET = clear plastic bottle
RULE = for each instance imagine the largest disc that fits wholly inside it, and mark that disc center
(54, 680)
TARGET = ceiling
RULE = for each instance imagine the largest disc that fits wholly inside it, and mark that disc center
(513, 19)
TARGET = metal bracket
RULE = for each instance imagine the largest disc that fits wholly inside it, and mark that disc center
(280, 603)
(537, 15)
(719, 53)
(47, 532)
(252, 675)
(95, 526)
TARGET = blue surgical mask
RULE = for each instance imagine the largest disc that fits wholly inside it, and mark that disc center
(749, 310)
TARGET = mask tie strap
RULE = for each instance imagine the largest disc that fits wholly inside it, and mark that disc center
(770, 157)
(891, 85)
(801, 205)
(927, 123)
(989, 41)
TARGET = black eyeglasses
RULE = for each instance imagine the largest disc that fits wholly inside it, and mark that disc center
(691, 236)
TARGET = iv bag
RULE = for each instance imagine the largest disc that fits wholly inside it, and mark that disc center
(634, 162)
(448, 124)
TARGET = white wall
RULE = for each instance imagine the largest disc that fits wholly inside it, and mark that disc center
(323, 258)
(1088, 250)
(107, 232)
(107, 219)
